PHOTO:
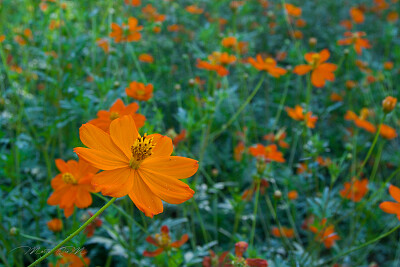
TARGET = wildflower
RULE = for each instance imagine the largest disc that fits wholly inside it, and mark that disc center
(356, 40)
(325, 233)
(217, 63)
(324, 162)
(355, 190)
(179, 137)
(389, 103)
(133, 2)
(135, 165)
(283, 231)
(126, 33)
(163, 242)
(320, 71)
(96, 223)
(146, 58)
(2, 38)
(268, 65)
(350, 84)
(335, 97)
(357, 15)
(118, 109)
(229, 42)
(392, 207)
(360, 122)
(301, 23)
(174, 27)
(388, 65)
(214, 261)
(152, 15)
(292, 10)
(279, 137)
(72, 186)
(55, 225)
(103, 44)
(238, 151)
(71, 259)
(139, 91)
(240, 249)
(268, 153)
(387, 132)
(347, 24)
(392, 17)
(193, 9)
(298, 114)
(248, 193)
(297, 34)
(292, 195)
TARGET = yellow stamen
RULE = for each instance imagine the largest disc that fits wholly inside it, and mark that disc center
(114, 115)
(68, 178)
(141, 149)
(315, 59)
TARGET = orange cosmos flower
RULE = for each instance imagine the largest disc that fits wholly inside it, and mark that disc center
(388, 65)
(174, 28)
(126, 33)
(139, 91)
(133, 2)
(389, 103)
(2, 38)
(151, 14)
(240, 249)
(356, 40)
(325, 233)
(71, 260)
(320, 71)
(355, 190)
(55, 225)
(216, 261)
(217, 63)
(347, 24)
(268, 153)
(284, 231)
(360, 122)
(298, 114)
(335, 97)
(193, 9)
(292, 195)
(357, 15)
(268, 65)
(292, 10)
(146, 58)
(103, 44)
(229, 42)
(392, 207)
(278, 137)
(72, 186)
(179, 138)
(392, 17)
(301, 23)
(387, 132)
(163, 242)
(139, 166)
(118, 109)
(238, 151)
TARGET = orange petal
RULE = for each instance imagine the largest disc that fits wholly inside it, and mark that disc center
(101, 159)
(153, 253)
(123, 133)
(302, 69)
(390, 207)
(55, 198)
(180, 242)
(83, 198)
(163, 145)
(176, 167)
(68, 211)
(317, 78)
(165, 187)
(394, 192)
(144, 199)
(61, 165)
(324, 55)
(57, 182)
(115, 183)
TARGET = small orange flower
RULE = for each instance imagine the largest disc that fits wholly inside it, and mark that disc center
(320, 71)
(216, 261)
(335, 97)
(325, 233)
(301, 23)
(126, 33)
(240, 249)
(146, 58)
(361, 121)
(387, 132)
(268, 153)
(71, 260)
(217, 63)
(357, 15)
(152, 15)
(388, 65)
(193, 9)
(72, 186)
(268, 65)
(356, 40)
(392, 207)
(292, 10)
(392, 17)
(2, 38)
(298, 114)
(179, 138)
(248, 193)
(355, 190)
(292, 195)
(238, 151)
(174, 28)
(133, 2)
(139, 91)
(55, 225)
(389, 103)
(118, 109)
(103, 44)
(278, 137)
(284, 231)
(163, 242)
(230, 41)
(350, 84)
(347, 24)
(139, 166)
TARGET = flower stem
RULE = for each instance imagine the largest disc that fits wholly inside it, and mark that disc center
(253, 228)
(74, 233)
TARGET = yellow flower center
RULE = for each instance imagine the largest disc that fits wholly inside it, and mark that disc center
(114, 115)
(140, 92)
(269, 61)
(163, 240)
(68, 178)
(141, 149)
(315, 59)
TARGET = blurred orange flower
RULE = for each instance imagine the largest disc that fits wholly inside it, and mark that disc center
(126, 33)
(297, 113)
(71, 260)
(268, 153)
(325, 233)
(292, 10)
(356, 40)
(103, 44)
(238, 151)
(268, 65)
(151, 14)
(139, 91)
(387, 132)
(292, 195)
(355, 190)
(133, 2)
(392, 207)
(72, 186)
(283, 231)
(163, 242)
(357, 15)
(139, 166)
(193, 9)
(278, 137)
(55, 225)
(146, 58)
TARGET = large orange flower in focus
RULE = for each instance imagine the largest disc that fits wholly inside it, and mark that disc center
(72, 186)
(320, 71)
(126, 33)
(118, 109)
(139, 166)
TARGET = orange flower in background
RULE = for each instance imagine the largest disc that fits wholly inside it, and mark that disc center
(133, 2)
(72, 186)
(96, 223)
(139, 91)
(324, 162)
(388, 65)
(325, 233)
(151, 14)
(55, 225)
(292, 195)
(268, 65)
(139, 166)
(71, 260)
(118, 109)
(174, 28)
(230, 41)
(193, 9)
(217, 63)
(179, 138)
(392, 17)
(392, 207)
(283, 231)
(268, 153)
(240, 249)
(298, 114)
(361, 121)
(103, 44)
(389, 103)
(2, 38)
(320, 71)
(248, 193)
(24, 37)
(357, 15)
(216, 261)
(146, 58)
(335, 97)
(293, 10)
(301, 23)
(387, 132)
(238, 151)
(126, 33)
(278, 137)
(163, 242)
(355, 190)
(347, 24)
(356, 40)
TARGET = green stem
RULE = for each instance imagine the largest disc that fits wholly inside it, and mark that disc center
(74, 233)
(253, 227)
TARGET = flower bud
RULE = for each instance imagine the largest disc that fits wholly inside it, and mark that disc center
(389, 103)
